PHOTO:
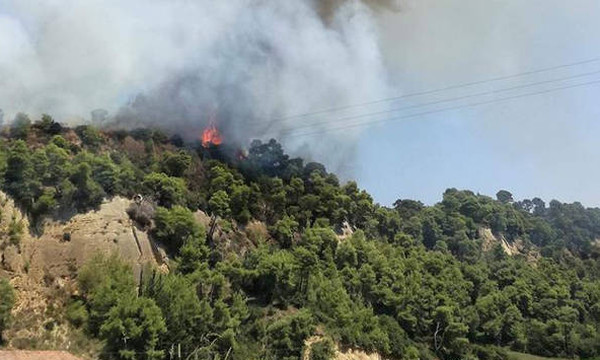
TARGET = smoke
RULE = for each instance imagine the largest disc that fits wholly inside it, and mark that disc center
(177, 63)
(328, 8)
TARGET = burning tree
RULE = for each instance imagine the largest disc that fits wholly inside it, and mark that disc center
(211, 136)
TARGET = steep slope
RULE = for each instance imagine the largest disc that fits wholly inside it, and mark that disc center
(42, 268)
(291, 253)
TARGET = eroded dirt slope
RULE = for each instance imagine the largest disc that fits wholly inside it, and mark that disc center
(42, 269)
(340, 353)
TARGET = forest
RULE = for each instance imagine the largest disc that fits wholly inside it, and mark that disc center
(408, 281)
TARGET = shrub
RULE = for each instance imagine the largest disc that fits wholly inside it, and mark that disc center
(90, 136)
(7, 301)
(166, 191)
(15, 231)
(322, 350)
(19, 129)
(176, 226)
(77, 313)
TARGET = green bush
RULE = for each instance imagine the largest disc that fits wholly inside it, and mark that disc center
(15, 231)
(7, 301)
(77, 313)
(165, 190)
(322, 350)
(175, 226)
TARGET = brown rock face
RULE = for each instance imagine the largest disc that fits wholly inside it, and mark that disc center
(42, 269)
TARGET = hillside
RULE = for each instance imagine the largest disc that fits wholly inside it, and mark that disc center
(42, 267)
(135, 245)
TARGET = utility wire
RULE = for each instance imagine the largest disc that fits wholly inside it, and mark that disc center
(428, 92)
(291, 134)
(437, 102)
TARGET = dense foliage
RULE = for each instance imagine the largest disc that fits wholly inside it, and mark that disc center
(7, 300)
(411, 281)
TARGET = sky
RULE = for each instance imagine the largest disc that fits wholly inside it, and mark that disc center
(250, 64)
(545, 145)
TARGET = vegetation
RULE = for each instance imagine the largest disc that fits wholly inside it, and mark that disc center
(512, 355)
(322, 350)
(7, 300)
(411, 282)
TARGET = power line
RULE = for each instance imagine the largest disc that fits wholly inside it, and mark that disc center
(437, 102)
(291, 134)
(428, 92)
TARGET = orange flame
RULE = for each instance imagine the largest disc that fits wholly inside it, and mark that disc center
(211, 136)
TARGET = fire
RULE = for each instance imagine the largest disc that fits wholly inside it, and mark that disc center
(211, 136)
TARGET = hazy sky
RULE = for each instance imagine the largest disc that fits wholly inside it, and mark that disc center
(250, 61)
(546, 145)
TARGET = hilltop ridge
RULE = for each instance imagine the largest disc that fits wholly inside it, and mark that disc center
(133, 244)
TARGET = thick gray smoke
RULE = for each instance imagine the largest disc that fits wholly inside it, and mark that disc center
(328, 8)
(178, 63)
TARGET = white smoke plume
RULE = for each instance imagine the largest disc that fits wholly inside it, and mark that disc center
(175, 62)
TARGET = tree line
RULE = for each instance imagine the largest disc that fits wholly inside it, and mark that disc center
(411, 281)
